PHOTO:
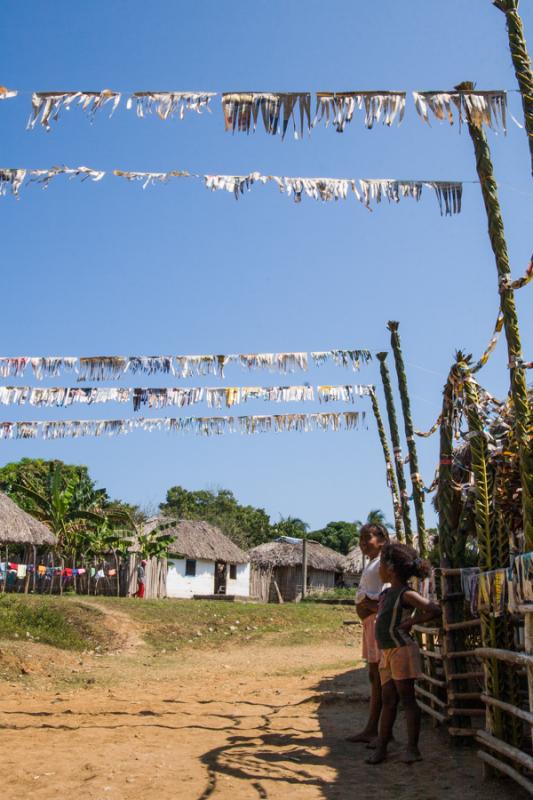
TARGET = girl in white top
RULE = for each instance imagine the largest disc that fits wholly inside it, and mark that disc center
(371, 539)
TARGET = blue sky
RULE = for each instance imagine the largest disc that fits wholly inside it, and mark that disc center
(111, 269)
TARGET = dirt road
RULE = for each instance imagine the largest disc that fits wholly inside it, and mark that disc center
(233, 724)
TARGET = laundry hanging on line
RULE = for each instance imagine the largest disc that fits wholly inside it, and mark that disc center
(98, 368)
(204, 426)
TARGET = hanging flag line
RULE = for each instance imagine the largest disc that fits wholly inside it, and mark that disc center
(101, 368)
(60, 396)
(365, 190)
(278, 110)
(203, 426)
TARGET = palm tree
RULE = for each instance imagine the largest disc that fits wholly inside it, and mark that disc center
(291, 526)
(376, 517)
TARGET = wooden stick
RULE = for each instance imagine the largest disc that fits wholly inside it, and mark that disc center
(431, 654)
(527, 716)
(464, 695)
(462, 731)
(431, 711)
(505, 749)
(432, 697)
(466, 712)
(507, 770)
(433, 681)
(423, 629)
(464, 676)
(460, 626)
(462, 654)
(509, 656)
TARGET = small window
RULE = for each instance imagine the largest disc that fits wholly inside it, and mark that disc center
(233, 572)
(190, 567)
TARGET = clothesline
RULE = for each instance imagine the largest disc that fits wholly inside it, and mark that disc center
(365, 190)
(278, 110)
(204, 426)
(100, 368)
(62, 396)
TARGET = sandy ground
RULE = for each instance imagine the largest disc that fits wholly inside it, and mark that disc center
(251, 722)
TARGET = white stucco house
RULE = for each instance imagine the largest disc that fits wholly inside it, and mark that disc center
(202, 561)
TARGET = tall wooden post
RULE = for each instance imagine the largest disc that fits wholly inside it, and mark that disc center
(391, 480)
(304, 567)
(519, 394)
(448, 498)
(396, 447)
(418, 494)
(521, 62)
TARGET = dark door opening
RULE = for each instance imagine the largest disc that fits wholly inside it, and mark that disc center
(221, 574)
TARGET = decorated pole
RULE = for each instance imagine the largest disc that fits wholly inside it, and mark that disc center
(396, 447)
(510, 319)
(391, 480)
(418, 494)
(448, 501)
(493, 546)
(521, 61)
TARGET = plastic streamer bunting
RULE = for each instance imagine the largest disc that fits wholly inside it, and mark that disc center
(277, 110)
(98, 368)
(365, 190)
(176, 396)
(203, 426)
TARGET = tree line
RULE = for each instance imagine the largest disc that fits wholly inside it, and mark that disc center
(88, 522)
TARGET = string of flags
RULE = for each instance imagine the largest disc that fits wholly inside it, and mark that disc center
(203, 426)
(365, 190)
(11, 571)
(278, 110)
(100, 368)
(177, 396)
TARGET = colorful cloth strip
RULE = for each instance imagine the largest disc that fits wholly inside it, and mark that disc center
(204, 426)
(99, 368)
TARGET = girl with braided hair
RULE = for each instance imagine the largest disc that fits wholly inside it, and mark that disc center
(400, 607)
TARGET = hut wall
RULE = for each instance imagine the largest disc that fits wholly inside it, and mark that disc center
(260, 580)
(180, 585)
(319, 580)
(241, 585)
(289, 580)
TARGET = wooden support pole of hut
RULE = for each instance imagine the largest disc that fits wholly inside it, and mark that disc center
(519, 394)
(418, 494)
(521, 62)
(493, 546)
(304, 567)
(396, 449)
(391, 480)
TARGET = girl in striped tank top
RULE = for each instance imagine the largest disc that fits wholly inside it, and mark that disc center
(399, 609)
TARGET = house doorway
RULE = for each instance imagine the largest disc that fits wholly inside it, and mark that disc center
(221, 575)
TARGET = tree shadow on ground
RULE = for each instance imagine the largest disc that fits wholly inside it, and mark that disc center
(305, 746)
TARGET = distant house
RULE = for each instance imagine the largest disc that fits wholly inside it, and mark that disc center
(352, 567)
(277, 569)
(201, 561)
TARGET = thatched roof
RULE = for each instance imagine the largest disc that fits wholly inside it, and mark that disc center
(199, 540)
(353, 563)
(19, 527)
(286, 554)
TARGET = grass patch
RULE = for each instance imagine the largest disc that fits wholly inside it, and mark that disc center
(173, 624)
(62, 623)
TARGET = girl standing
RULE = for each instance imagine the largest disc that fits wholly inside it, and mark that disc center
(399, 609)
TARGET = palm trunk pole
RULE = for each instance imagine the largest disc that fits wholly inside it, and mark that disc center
(521, 61)
(396, 447)
(493, 544)
(418, 494)
(512, 332)
(448, 499)
(391, 480)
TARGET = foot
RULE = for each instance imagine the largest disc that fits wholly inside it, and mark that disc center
(374, 743)
(365, 737)
(379, 755)
(411, 755)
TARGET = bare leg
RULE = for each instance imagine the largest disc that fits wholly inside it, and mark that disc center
(406, 691)
(370, 730)
(388, 715)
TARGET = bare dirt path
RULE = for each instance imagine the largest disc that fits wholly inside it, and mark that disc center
(239, 723)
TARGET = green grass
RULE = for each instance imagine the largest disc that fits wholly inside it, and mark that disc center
(171, 624)
(61, 623)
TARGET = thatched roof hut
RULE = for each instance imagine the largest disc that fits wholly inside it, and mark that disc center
(199, 540)
(282, 553)
(353, 563)
(19, 527)
(277, 569)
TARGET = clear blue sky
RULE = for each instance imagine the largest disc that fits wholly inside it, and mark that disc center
(110, 269)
